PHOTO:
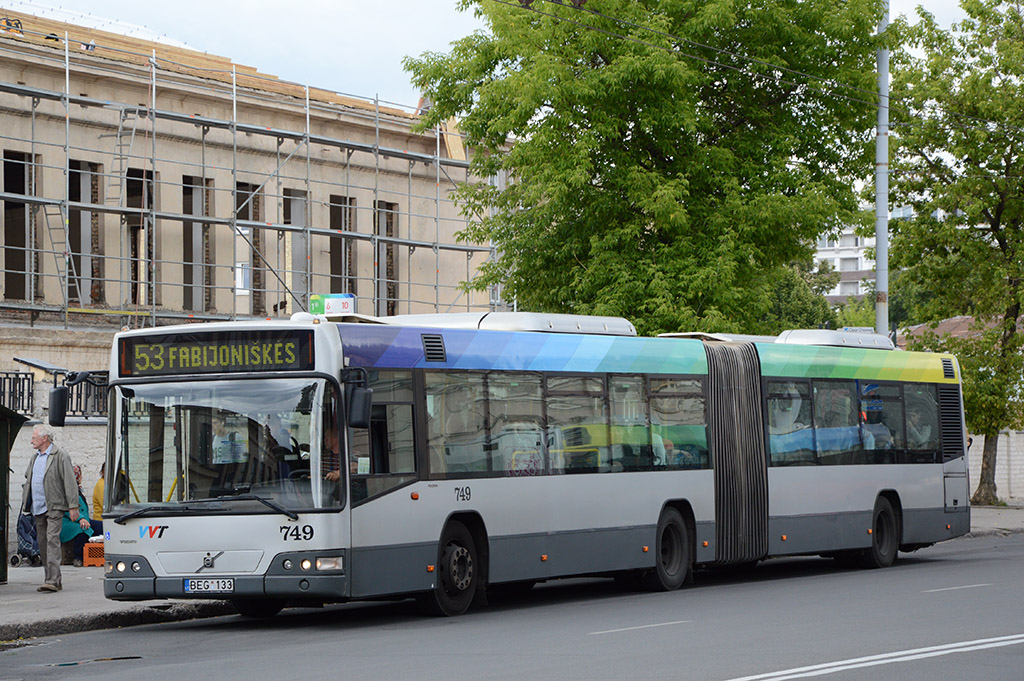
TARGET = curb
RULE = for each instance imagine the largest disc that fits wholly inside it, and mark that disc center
(995, 532)
(152, 614)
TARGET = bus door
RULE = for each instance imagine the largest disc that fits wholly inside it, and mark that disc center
(736, 425)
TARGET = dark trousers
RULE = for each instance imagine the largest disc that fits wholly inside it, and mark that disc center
(48, 534)
(78, 543)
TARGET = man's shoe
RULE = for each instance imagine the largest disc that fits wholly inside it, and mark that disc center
(48, 588)
(78, 562)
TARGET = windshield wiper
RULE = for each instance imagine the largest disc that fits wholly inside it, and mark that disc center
(139, 512)
(255, 497)
(120, 520)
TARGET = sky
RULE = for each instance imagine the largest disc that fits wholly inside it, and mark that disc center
(350, 46)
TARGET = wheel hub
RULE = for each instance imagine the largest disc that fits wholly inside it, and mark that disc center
(460, 567)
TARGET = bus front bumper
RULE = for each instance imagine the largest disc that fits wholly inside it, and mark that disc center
(136, 581)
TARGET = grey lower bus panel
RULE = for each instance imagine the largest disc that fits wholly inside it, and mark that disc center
(822, 533)
(549, 555)
(143, 584)
(384, 570)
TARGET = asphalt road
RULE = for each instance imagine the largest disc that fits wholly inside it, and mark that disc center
(953, 611)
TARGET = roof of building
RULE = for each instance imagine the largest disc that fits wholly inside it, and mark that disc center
(139, 46)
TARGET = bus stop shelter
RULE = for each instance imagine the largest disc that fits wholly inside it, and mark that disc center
(10, 423)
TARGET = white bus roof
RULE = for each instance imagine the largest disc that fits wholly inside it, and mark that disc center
(505, 321)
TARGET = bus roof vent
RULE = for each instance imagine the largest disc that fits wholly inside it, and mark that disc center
(846, 338)
(433, 347)
(947, 368)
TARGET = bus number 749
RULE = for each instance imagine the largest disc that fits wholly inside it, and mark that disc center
(295, 533)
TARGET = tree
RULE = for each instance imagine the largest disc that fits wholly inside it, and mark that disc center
(858, 312)
(798, 298)
(657, 173)
(960, 123)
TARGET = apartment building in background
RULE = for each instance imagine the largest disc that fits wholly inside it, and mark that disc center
(847, 254)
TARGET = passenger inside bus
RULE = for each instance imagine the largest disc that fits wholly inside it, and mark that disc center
(919, 431)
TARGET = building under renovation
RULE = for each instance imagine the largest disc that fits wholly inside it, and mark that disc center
(148, 184)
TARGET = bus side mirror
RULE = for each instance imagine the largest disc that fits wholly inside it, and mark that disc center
(359, 403)
(58, 405)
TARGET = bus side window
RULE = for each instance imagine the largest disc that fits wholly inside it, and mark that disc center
(836, 429)
(678, 424)
(882, 422)
(630, 429)
(921, 402)
(383, 455)
(790, 437)
(515, 403)
(456, 429)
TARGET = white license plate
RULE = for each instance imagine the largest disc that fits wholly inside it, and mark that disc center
(209, 586)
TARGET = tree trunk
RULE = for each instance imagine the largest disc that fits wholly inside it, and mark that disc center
(986, 492)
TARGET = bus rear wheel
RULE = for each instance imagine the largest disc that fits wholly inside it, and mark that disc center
(885, 539)
(258, 607)
(457, 573)
(672, 553)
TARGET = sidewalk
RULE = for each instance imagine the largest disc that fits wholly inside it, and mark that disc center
(81, 606)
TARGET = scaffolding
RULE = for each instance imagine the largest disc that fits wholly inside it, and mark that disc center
(147, 191)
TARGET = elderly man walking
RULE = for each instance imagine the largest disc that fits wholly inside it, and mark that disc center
(49, 490)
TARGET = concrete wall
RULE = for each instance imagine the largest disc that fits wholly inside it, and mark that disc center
(1009, 465)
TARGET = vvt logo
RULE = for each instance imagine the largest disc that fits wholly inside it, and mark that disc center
(152, 531)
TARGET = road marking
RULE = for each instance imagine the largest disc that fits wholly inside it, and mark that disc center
(643, 626)
(886, 658)
(954, 588)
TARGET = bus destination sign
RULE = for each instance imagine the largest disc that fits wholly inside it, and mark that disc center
(215, 353)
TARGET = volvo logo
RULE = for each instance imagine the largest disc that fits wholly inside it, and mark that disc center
(209, 560)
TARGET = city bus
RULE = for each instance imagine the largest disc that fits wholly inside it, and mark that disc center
(330, 459)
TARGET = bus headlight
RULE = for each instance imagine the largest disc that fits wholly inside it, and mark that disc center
(121, 567)
(329, 563)
(306, 564)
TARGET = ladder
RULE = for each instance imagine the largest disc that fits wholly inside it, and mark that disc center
(124, 139)
(116, 190)
(57, 227)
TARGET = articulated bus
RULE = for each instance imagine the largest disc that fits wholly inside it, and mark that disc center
(323, 460)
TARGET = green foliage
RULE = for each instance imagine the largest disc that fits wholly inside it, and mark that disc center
(797, 299)
(655, 178)
(857, 312)
(957, 161)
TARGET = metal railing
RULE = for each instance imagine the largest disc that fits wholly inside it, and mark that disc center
(17, 391)
(87, 399)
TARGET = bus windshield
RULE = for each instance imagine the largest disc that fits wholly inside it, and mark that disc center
(245, 442)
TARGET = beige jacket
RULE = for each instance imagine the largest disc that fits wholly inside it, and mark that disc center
(59, 483)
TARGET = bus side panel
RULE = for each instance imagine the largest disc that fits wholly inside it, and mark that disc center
(585, 523)
(546, 555)
(381, 570)
(829, 508)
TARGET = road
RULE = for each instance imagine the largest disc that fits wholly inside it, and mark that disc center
(953, 611)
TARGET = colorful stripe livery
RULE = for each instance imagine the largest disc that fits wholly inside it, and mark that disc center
(401, 347)
(814, 361)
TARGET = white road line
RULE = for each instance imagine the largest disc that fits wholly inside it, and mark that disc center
(954, 588)
(644, 626)
(886, 658)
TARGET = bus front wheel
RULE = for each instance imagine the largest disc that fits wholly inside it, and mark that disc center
(885, 540)
(457, 573)
(672, 553)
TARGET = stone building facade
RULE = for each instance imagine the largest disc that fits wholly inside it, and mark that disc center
(143, 184)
